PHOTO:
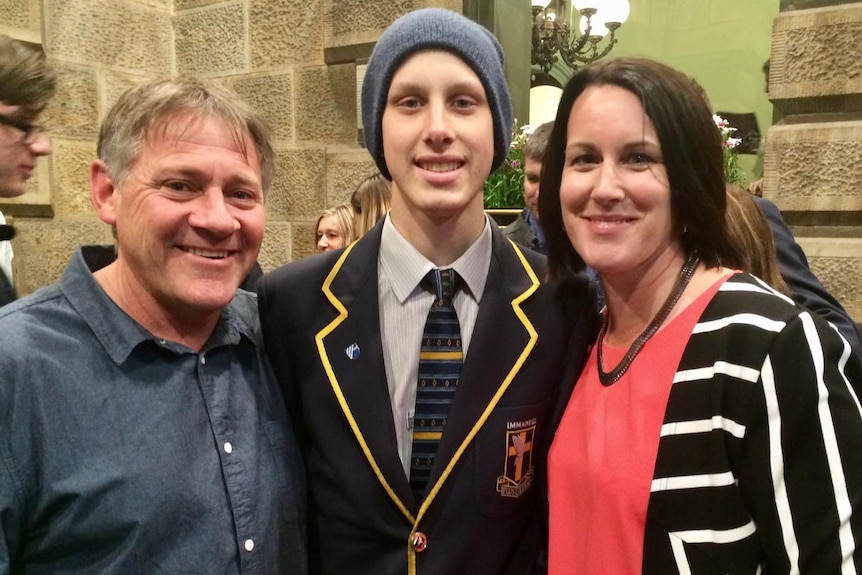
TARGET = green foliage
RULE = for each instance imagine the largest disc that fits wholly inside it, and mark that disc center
(505, 187)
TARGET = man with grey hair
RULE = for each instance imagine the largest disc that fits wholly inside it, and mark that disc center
(26, 85)
(526, 229)
(140, 428)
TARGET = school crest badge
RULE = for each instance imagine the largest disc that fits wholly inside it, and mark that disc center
(518, 473)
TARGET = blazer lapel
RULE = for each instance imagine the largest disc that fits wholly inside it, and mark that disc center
(351, 352)
(501, 342)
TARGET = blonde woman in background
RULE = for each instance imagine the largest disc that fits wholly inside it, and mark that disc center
(370, 202)
(335, 228)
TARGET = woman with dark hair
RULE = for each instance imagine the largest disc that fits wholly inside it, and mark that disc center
(716, 427)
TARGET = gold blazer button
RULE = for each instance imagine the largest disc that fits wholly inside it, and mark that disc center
(419, 542)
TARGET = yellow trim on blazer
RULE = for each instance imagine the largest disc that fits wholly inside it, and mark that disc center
(327, 367)
(534, 336)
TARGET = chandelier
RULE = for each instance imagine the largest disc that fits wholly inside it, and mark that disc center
(554, 38)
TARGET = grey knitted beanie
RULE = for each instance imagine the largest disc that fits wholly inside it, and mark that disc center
(435, 28)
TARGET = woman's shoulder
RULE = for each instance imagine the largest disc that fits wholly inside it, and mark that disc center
(743, 293)
(743, 319)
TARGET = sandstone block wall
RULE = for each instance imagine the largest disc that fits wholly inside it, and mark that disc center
(272, 52)
(296, 61)
(813, 161)
(99, 48)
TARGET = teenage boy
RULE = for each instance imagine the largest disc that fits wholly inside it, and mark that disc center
(27, 83)
(344, 331)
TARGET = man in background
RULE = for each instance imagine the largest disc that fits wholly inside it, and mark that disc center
(526, 229)
(26, 85)
(141, 430)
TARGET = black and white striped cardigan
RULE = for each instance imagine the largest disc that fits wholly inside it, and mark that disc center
(759, 466)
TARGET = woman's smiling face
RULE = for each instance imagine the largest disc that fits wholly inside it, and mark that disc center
(614, 193)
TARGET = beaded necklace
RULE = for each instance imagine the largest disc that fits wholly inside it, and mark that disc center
(685, 275)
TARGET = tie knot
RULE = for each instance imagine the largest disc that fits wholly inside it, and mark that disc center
(442, 283)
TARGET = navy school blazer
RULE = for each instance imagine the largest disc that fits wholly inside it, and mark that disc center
(483, 511)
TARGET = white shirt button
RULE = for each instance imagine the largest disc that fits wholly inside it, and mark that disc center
(228, 448)
(203, 360)
(249, 544)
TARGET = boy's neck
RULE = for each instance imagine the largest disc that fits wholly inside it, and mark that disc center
(441, 239)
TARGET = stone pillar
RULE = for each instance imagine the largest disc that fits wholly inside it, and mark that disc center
(813, 162)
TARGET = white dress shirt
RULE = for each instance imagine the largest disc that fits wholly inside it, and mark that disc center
(404, 306)
(5, 254)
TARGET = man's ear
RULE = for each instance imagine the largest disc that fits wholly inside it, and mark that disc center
(102, 192)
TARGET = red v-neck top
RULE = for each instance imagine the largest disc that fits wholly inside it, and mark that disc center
(601, 462)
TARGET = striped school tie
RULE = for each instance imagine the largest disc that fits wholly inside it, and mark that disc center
(440, 361)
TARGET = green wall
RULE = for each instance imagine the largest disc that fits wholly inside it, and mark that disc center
(720, 43)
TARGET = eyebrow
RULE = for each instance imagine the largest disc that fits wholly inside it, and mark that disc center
(464, 87)
(628, 147)
(191, 172)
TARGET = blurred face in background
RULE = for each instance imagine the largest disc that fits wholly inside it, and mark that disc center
(21, 143)
(329, 235)
(532, 171)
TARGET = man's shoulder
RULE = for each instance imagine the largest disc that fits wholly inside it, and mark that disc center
(243, 306)
(34, 324)
(517, 227)
(537, 262)
(41, 305)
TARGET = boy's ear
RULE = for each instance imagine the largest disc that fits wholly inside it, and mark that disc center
(102, 192)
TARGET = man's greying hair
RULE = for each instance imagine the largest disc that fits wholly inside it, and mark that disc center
(144, 109)
(538, 141)
(25, 78)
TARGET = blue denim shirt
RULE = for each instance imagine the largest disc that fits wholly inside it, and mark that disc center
(122, 453)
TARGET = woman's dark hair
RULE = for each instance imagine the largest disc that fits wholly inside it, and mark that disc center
(691, 148)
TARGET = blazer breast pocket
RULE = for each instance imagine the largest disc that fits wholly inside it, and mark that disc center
(507, 452)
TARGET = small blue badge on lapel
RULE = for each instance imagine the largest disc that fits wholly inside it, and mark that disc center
(352, 351)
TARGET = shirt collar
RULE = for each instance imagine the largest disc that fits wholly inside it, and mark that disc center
(118, 333)
(405, 267)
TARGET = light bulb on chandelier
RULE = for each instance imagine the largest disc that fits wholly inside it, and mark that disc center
(553, 37)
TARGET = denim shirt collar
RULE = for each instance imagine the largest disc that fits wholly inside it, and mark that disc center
(119, 334)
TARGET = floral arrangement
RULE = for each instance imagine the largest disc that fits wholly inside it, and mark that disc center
(505, 187)
(732, 172)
